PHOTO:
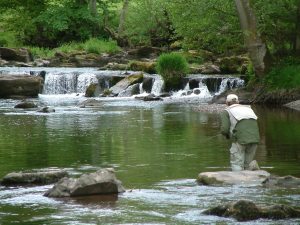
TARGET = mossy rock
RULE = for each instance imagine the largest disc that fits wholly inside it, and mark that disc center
(92, 90)
(148, 67)
(233, 64)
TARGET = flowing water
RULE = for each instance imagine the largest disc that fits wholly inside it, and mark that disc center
(157, 150)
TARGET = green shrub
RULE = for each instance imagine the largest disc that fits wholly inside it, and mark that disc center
(3, 42)
(284, 77)
(8, 39)
(172, 67)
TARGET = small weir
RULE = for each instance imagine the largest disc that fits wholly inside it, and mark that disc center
(77, 82)
(59, 81)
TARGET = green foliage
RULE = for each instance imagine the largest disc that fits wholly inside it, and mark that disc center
(99, 46)
(148, 23)
(92, 45)
(284, 76)
(208, 25)
(62, 24)
(172, 67)
(277, 24)
(7, 39)
(39, 52)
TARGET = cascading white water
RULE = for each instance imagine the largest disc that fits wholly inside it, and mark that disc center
(204, 86)
(230, 83)
(84, 80)
(60, 83)
(157, 85)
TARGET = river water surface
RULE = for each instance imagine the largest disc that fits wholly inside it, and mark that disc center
(157, 150)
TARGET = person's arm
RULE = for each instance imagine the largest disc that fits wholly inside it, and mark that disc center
(225, 124)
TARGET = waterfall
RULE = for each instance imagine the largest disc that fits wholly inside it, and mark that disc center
(228, 84)
(84, 80)
(60, 81)
(157, 85)
(68, 83)
(56, 83)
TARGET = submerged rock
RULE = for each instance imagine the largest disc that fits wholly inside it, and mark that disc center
(38, 178)
(150, 97)
(103, 181)
(46, 110)
(244, 210)
(90, 103)
(25, 105)
(233, 177)
(285, 182)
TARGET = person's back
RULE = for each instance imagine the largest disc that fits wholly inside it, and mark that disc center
(246, 132)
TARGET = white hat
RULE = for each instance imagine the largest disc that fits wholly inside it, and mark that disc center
(231, 98)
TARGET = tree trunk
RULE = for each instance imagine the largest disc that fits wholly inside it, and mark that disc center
(297, 35)
(256, 47)
(118, 35)
(93, 7)
(123, 17)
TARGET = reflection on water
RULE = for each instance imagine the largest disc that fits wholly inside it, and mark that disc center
(157, 150)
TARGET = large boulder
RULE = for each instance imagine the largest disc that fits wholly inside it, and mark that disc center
(131, 90)
(233, 177)
(40, 177)
(103, 181)
(20, 85)
(125, 83)
(244, 210)
(15, 54)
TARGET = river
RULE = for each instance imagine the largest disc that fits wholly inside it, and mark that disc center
(157, 150)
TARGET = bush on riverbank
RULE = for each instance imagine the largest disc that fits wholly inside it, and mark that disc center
(172, 67)
(284, 77)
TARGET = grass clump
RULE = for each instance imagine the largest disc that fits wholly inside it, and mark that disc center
(172, 67)
(99, 46)
(38, 52)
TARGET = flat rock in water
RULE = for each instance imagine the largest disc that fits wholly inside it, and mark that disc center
(293, 105)
(41, 177)
(103, 181)
(245, 210)
(282, 182)
(233, 177)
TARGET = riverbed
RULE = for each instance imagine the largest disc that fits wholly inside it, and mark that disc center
(157, 150)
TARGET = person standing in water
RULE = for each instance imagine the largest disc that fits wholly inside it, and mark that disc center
(239, 124)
